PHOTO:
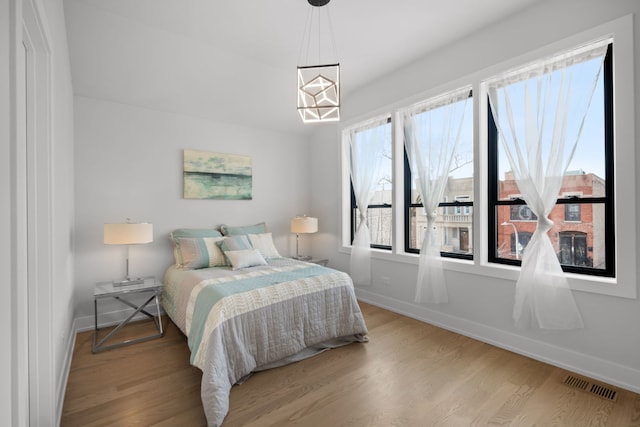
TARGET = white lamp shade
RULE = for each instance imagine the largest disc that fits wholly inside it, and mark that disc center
(128, 233)
(304, 224)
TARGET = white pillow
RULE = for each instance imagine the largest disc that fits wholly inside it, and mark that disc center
(264, 243)
(245, 258)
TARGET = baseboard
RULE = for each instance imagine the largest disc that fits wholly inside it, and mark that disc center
(64, 374)
(592, 367)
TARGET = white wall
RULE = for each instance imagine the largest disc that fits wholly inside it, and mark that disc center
(128, 164)
(608, 348)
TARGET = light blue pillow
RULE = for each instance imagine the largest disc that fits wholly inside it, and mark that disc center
(244, 229)
(193, 232)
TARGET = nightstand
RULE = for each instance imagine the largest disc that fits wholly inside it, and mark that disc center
(319, 261)
(151, 287)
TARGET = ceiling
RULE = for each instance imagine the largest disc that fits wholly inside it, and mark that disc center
(235, 61)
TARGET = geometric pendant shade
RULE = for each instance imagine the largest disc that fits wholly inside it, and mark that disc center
(319, 93)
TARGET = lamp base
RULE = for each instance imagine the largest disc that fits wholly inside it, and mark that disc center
(302, 257)
(128, 281)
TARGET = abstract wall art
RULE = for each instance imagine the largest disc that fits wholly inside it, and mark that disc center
(217, 176)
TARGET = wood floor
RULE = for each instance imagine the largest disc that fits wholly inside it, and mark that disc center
(409, 374)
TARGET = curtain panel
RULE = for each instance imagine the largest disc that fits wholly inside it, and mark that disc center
(366, 152)
(539, 111)
(431, 135)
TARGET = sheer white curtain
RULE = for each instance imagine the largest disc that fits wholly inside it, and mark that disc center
(539, 116)
(432, 134)
(367, 149)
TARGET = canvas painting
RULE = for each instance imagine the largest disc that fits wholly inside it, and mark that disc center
(217, 176)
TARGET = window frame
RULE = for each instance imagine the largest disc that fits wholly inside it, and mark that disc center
(607, 201)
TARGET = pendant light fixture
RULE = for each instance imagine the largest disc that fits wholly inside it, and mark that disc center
(318, 85)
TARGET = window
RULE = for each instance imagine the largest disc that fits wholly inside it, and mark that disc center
(572, 213)
(584, 204)
(454, 220)
(461, 209)
(574, 249)
(521, 213)
(583, 230)
(378, 177)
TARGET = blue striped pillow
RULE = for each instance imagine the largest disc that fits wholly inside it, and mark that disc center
(200, 253)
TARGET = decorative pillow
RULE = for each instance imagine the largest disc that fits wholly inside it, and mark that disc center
(233, 243)
(200, 252)
(245, 258)
(264, 244)
(193, 232)
(244, 229)
(189, 232)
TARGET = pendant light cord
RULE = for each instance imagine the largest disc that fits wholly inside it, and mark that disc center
(306, 37)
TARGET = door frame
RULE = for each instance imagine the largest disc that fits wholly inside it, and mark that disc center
(36, 398)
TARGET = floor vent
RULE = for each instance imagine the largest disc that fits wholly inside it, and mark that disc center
(602, 391)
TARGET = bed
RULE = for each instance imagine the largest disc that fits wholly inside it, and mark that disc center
(244, 308)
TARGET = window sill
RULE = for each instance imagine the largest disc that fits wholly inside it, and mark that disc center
(577, 282)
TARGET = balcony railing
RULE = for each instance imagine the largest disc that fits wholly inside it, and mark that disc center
(454, 218)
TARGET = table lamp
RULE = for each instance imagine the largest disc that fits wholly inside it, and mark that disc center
(303, 224)
(128, 233)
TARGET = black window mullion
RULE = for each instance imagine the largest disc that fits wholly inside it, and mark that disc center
(609, 215)
(560, 201)
(407, 204)
(452, 204)
(492, 169)
(354, 206)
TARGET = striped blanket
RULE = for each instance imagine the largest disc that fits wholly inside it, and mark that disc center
(238, 322)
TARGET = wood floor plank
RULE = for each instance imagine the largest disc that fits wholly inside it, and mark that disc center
(408, 374)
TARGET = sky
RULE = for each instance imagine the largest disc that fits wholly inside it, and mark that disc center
(589, 153)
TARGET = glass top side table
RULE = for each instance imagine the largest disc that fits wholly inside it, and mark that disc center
(102, 290)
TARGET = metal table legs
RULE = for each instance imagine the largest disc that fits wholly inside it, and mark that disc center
(101, 344)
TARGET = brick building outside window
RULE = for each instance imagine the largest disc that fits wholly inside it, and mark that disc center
(578, 229)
